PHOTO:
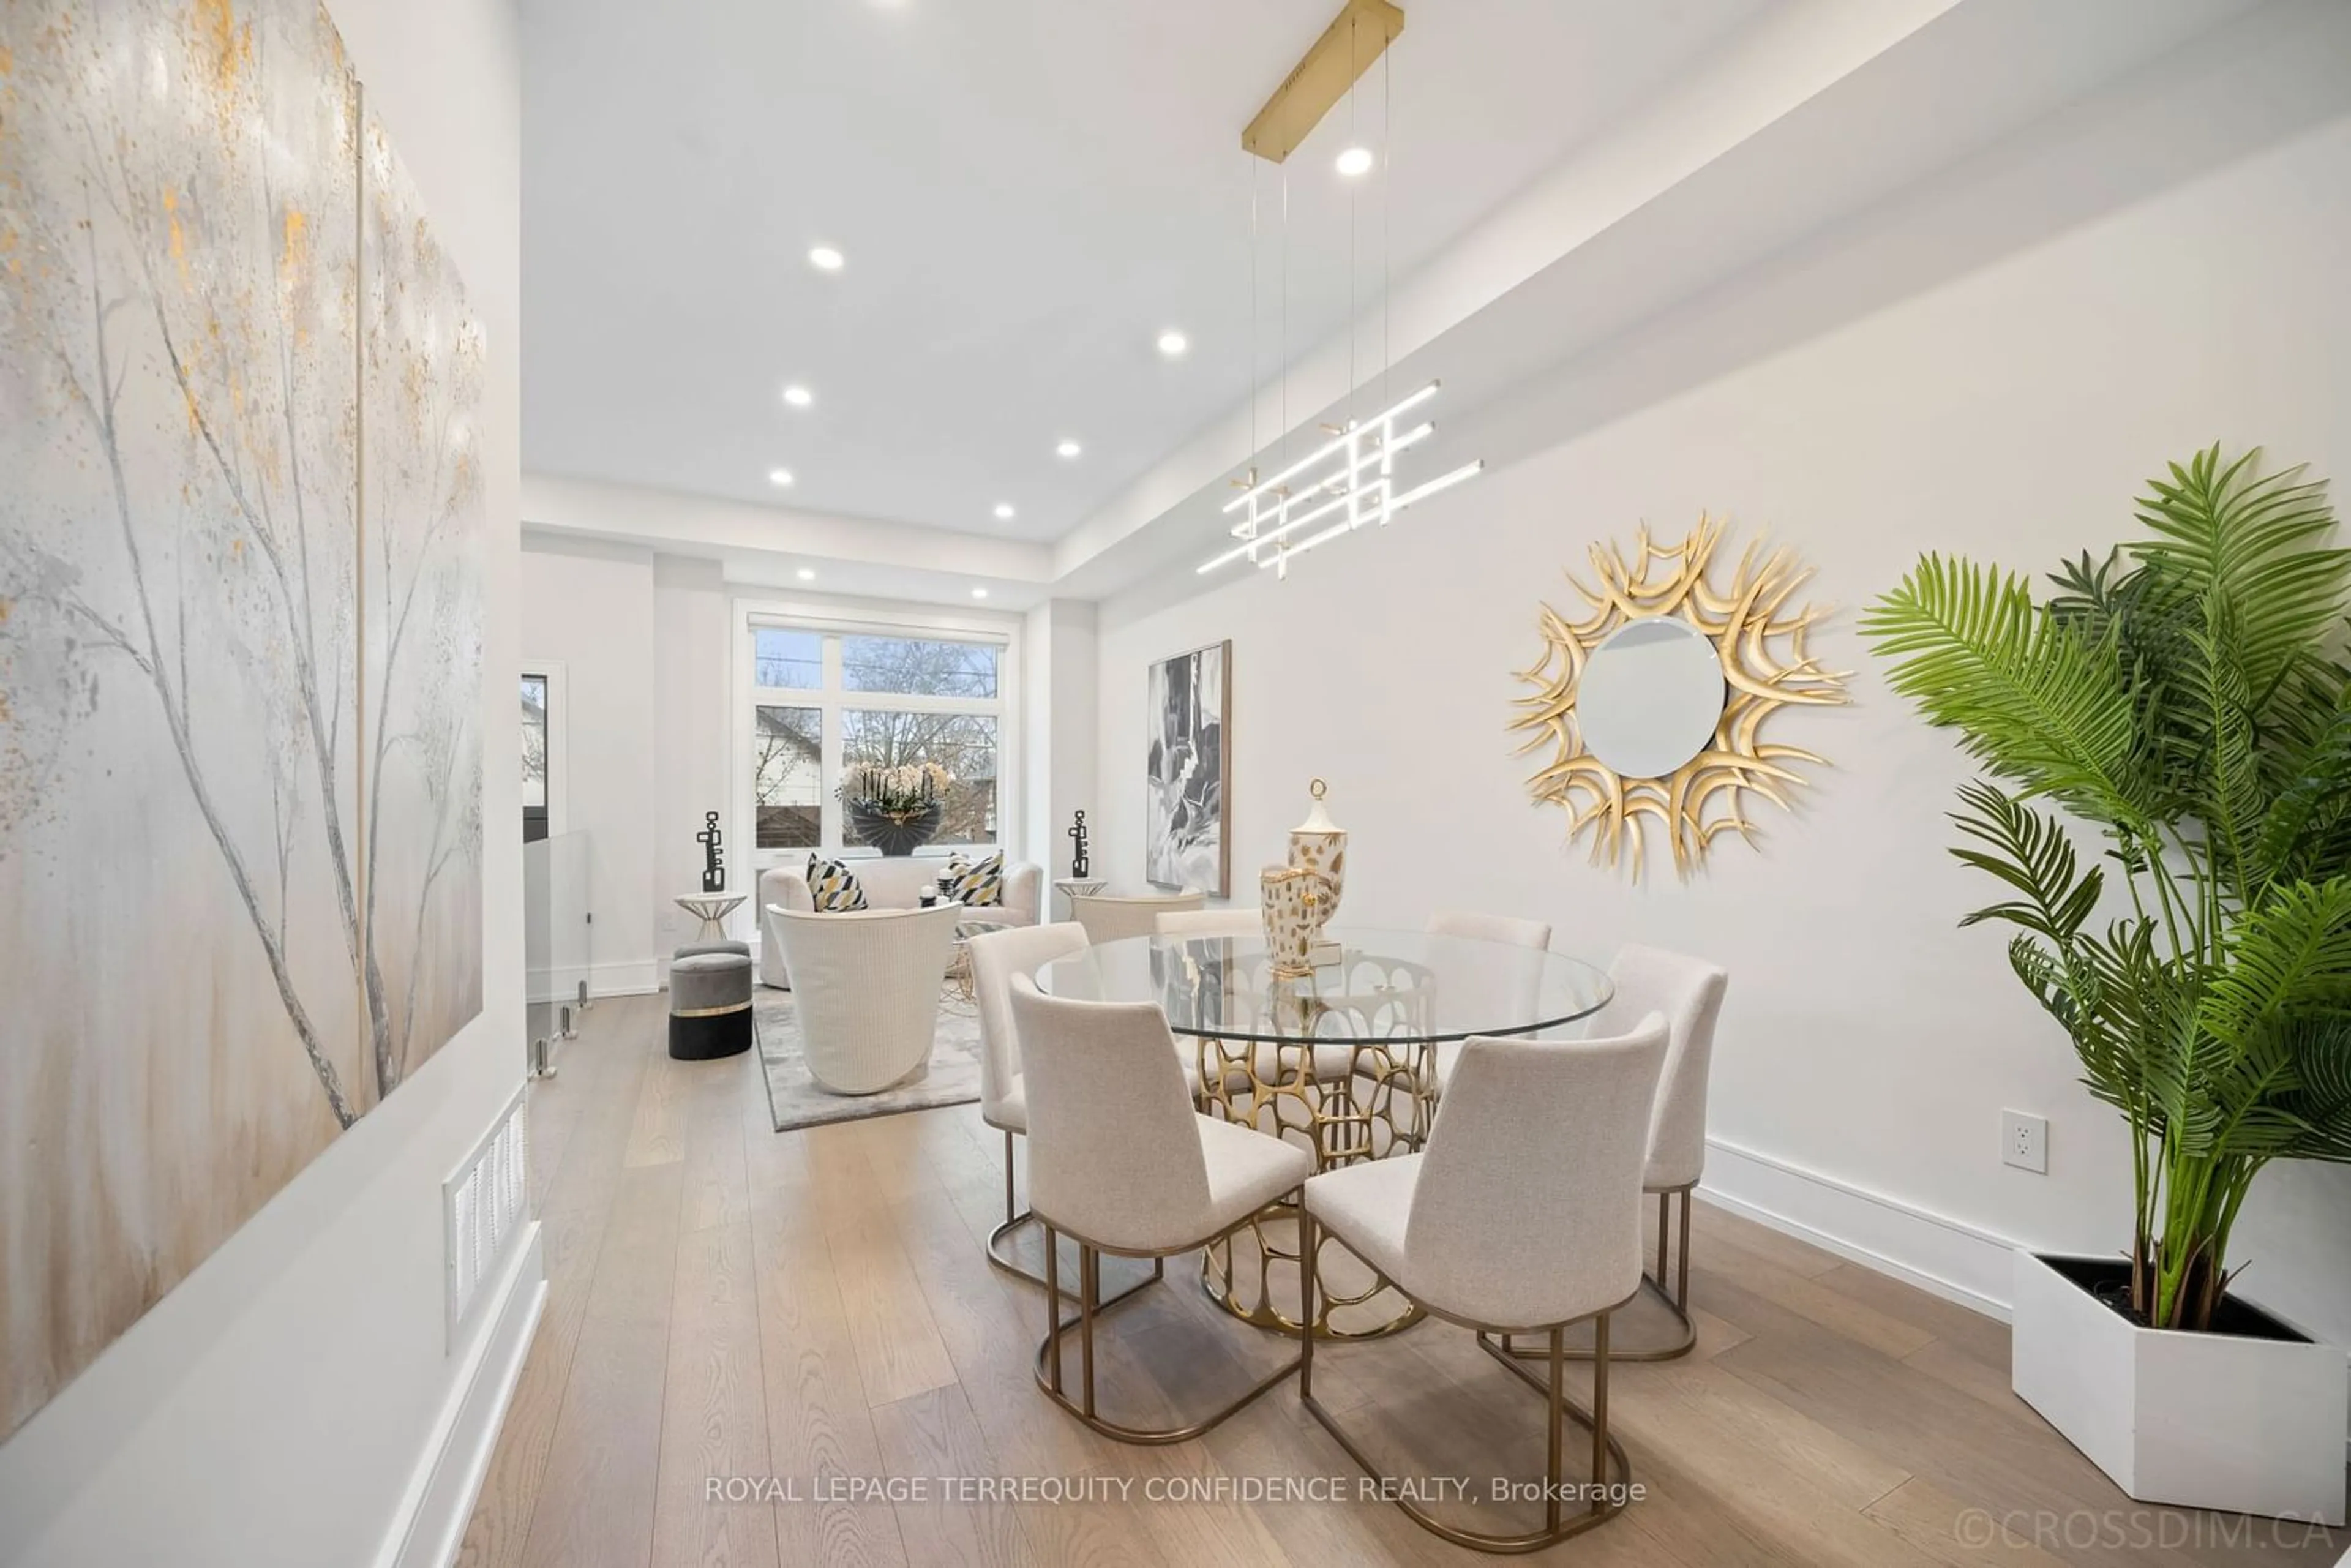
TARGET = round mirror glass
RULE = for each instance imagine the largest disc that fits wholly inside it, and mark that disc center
(1650, 696)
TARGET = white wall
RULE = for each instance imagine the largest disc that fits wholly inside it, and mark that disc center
(1992, 366)
(590, 607)
(278, 1405)
(1059, 667)
(690, 771)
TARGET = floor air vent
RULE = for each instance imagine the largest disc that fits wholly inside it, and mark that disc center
(482, 1212)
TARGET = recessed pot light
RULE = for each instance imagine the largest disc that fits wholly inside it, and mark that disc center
(779, 477)
(1356, 162)
(807, 574)
(1003, 511)
(1068, 449)
(979, 593)
(799, 396)
(1173, 343)
(824, 259)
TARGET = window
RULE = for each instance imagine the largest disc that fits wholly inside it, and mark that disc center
(788, 777)
(918, 666)
(789, 660)
(825, 700)
(534, 758)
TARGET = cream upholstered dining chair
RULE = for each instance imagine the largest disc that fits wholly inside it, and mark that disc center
(1688, 992)
(865, 986)
(995, 957)
(1507, 929)
(1480, 927)
(1211, 923)
(1120, 1161)
(1492, 1227)
(1108, 917)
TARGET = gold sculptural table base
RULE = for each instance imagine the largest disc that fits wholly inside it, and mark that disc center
(1347, 1101)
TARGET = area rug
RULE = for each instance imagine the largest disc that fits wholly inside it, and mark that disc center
(795, 1101)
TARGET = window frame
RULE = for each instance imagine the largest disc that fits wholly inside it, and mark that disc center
(831, 700)
(558, 734)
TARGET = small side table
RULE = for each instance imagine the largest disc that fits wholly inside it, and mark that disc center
(1079, 887)
(960, 979)
(711, 909)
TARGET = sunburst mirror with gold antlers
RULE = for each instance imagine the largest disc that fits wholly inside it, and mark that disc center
(1652, 702)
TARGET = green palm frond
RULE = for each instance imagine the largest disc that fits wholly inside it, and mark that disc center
(2030, 852)
(2126, 1003)
(2321, 1048)
(2290, 957)
(2225, 536)
(2307, 826)
(2033, 700)
(2227, 797)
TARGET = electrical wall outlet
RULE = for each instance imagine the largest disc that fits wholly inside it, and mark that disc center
(2024, 1142)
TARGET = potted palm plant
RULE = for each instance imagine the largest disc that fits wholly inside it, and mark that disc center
(2183, 700)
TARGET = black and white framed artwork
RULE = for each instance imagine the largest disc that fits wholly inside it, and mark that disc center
(1189, 701)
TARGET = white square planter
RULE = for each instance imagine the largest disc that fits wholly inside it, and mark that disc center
(2199, 1420)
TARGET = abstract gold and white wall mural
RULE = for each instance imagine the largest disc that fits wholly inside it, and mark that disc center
(241, 513)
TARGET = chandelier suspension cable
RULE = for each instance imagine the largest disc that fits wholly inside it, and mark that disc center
(1354, 194)
(1284, 551)
(1252, 331)
(1256, 264)
(1388, 213)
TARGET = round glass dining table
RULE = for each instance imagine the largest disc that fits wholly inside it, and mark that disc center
(1345, 1060)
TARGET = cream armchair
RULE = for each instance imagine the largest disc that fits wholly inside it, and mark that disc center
(891, 882)
(868, 998)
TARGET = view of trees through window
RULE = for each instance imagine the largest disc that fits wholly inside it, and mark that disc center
(534, 757)
(915, 700)
(788, 777)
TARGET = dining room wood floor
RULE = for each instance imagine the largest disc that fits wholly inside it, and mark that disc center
(814, 1307)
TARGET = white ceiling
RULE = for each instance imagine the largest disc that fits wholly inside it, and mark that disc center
(1027, 190)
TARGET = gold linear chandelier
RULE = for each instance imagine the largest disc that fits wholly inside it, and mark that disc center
(1352, 480)
(1623, 709)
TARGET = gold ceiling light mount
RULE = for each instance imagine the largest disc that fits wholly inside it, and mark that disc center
(1625, 710)
(1348, 47)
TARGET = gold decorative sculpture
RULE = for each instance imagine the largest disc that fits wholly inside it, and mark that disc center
(1663, 592)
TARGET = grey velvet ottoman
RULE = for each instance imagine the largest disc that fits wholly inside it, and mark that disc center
(709, 1004)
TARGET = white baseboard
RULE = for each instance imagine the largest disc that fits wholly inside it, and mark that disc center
(637, 977)
(1946, 1256)
(1949, 1257)
(431, 1524)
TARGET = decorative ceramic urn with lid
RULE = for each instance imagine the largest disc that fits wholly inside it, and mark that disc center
(1318, 845)
(1292, 902)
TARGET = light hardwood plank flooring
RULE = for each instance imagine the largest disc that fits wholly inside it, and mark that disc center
(812, 1311)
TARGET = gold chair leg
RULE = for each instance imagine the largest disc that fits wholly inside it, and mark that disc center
(1608, 1495)
(1599, 1395)
(1052, 1305)
(1552, 1468)
(1653, 1286)
(999, 1242)
(1048, 1354)
(1086, 1292)
(1305, 1303)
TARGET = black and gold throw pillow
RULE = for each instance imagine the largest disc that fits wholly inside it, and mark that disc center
(833, 887)
(979, 883)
